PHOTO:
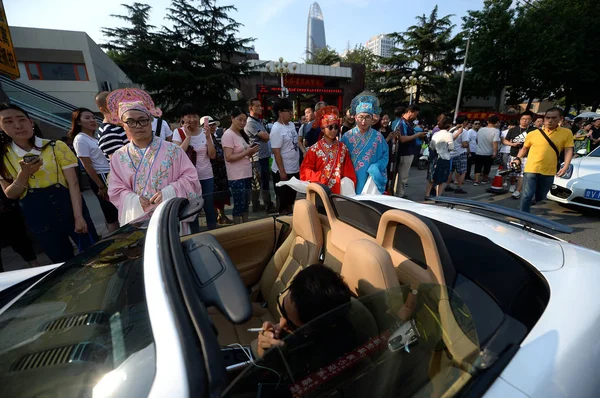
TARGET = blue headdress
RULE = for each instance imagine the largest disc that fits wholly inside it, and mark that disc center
(365, 102)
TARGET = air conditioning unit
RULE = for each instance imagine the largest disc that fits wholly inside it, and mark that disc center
(106, 86)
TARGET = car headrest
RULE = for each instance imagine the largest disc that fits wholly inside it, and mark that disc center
(306, 222)
(368, 268)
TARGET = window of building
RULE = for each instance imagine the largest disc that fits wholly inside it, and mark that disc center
(56, 71)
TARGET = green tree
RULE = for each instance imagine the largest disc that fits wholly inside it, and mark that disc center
(135, 46)
(324, 56)
(363, 56)
(428, 48)
(494, 49)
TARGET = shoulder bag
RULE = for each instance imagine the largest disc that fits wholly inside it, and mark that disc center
(190, 151)
(553, 147)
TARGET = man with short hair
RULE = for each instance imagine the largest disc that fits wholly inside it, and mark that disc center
(515, 138)
(407, 147)
(258, 133)
(348, 122)
(542, 148)
(458, 156)
(487, 148)
(112, 136)
(538, 121)
(472, 134)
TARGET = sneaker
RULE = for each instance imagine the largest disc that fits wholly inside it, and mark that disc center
(505, 185)
(512, 189)
(516, 195)
(485, 182)
(460, 190)
(448, 189)
(475, 184)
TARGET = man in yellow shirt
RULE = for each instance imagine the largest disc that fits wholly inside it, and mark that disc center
(542, 157)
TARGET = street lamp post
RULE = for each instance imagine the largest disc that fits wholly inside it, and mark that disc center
(281, 68)
(413, 80)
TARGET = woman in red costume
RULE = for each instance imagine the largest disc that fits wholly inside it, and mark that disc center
(328, 161)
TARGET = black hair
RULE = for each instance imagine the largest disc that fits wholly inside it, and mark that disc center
(281, 104)
(536, 117)
(493, 119)
(399, 111)
(235, 112)
(312, 107)
(561, 113)
(251, 101)
(188, 109)
(461, 119)
(316, 290)
(5, 140)
(413, 108)
(528, 113)
(76, 123)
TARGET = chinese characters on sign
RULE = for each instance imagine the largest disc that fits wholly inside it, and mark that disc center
(8, 60)
(262, 89)
(295, 81)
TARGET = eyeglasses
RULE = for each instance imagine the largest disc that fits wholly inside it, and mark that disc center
(333, 127)
(280, 298)
(137, 123)
(364, 118)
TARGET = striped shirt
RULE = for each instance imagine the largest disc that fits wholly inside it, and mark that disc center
(112, 137)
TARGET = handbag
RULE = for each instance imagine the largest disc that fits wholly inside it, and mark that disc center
(190, 151)
(553, 147)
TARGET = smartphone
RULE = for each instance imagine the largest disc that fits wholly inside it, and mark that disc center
(30, 158)
(206, 126)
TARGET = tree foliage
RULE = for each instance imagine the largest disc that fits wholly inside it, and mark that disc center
(196, 61)
(428, 48)
(362, 55)
(324, 56)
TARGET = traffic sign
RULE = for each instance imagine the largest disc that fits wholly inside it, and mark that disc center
(8, 60)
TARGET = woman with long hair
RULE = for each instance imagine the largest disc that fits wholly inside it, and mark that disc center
(238, 153)
(192, 135)
(83, 127)
(41, 175)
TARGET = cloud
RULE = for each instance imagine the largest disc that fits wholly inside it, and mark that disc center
(271, 9)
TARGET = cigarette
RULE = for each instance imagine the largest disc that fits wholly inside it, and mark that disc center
(255, 330)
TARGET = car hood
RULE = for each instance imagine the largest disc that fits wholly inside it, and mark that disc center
(543, 253)
(588, 169)
(10, 278)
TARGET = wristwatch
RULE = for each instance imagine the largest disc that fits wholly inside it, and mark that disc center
(414, 292)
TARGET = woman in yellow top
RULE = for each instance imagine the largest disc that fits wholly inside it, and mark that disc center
(41, 175)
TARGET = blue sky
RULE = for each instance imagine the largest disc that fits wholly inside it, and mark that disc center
(279, 26)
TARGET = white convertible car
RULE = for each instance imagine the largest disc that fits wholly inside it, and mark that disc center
(581, 185)
(456, 298)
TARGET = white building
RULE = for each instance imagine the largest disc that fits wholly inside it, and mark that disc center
(380, 45)
(65, 64)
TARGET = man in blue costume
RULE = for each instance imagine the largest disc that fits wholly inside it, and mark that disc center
(367, 147)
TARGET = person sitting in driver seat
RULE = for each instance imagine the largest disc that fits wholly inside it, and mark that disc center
(314, 291)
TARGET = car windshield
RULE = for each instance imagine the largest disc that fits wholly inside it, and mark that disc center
(391, 343)
(84, 329)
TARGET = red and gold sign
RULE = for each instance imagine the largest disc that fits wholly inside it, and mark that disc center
(8, 60)
(308, 81)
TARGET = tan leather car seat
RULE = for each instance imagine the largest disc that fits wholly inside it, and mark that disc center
(301, 249)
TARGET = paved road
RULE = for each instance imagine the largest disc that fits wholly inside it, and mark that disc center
(585, 223)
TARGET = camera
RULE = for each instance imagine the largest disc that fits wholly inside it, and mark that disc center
(513, 167)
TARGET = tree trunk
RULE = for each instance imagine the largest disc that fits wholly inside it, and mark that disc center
(568, 103)
(417, 95)
(529, 103)
(498, 95)
(594, 106)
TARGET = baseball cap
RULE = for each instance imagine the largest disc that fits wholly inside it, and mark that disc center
(210, 120)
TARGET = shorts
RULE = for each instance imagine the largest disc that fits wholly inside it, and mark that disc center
(459, 163)
(505, 160)
(483, 163)
(439, 170)
(523, 163)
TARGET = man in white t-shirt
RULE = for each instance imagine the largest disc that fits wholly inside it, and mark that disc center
(458, 155)
(165, 131)
(487, 149)
(286, 154)
(472, 148)
(505, 153)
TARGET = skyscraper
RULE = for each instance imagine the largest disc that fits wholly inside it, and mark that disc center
(380, 45)
(315, 31)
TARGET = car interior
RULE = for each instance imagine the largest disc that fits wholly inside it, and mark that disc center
(376, 248)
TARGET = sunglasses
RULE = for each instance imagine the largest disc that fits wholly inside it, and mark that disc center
(282, 311)
(332, 127)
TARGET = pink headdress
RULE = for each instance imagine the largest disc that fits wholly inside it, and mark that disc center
(128, 99)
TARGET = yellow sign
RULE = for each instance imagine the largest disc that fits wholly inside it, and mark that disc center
(8, 60)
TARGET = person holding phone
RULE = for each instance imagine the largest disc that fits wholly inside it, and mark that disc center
(200, 139)
(83, 127)
(41, 175)
(238, 152)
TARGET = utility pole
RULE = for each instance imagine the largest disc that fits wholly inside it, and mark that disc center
(462, 80)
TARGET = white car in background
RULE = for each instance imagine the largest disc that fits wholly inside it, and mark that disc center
(581, 184)
(456, 298)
